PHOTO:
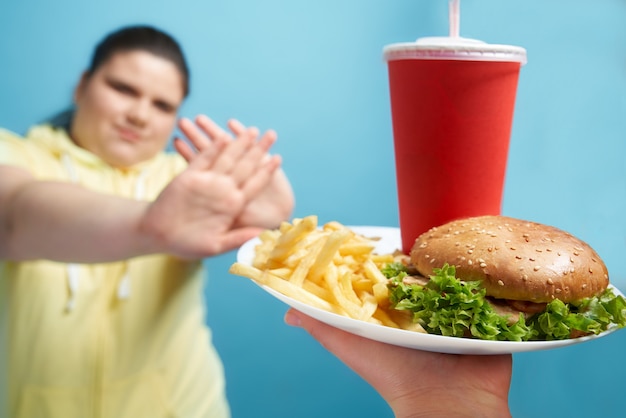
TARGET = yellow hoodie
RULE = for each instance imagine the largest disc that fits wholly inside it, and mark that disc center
(122, 339)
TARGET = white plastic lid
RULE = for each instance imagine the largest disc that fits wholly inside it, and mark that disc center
(454, 48)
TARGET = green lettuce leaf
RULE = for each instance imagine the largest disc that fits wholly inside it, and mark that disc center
(589, 316)
(451, 307)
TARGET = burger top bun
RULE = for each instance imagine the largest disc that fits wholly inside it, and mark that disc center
(514, 259)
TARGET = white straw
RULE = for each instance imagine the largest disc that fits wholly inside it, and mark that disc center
(454, 11)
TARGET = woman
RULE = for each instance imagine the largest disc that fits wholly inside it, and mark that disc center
(101, 236)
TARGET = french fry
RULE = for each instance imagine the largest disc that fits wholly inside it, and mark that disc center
(327, 253)
(283, 286)
(283, 272)
(304, 266)
(356, 248)
(262, 250)
(362, 284)
(381, 294)
(382, 259)
(329, 267)
(332, 280)
(404, 320)
(332, 226)
(306, 247)
(370, 305)
(384, 318)
(288, 240)
(345, 285)
(318, 290)
(373, 273)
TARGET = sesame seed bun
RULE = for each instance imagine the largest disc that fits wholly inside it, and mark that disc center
(514, 259)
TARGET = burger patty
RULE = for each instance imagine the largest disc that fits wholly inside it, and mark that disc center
(511, 309)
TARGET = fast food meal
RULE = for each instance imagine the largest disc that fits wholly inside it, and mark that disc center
(491, 277)
(328, 267)
(506, 279)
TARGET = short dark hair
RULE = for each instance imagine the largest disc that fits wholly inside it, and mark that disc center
(144, 38)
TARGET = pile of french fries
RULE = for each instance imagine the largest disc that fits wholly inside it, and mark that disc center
(329, 267)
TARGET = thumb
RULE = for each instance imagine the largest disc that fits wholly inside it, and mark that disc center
(235, 238)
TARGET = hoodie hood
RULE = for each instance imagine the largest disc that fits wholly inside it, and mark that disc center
(58, 142)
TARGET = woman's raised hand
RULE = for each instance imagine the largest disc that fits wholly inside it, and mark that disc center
(245, 156)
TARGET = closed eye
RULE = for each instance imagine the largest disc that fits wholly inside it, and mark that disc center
(128, 90)
(165, 106)
(123, 88)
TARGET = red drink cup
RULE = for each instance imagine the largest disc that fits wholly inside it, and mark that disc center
(452, 102)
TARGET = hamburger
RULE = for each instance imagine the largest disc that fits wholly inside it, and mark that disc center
(501, 278)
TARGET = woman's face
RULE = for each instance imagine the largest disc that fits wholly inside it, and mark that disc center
(126, 110)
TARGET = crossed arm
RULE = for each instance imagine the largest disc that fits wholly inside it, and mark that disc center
(230, 191)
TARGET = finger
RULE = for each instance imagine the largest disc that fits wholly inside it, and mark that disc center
(250, 162)
(236, 126)
(184, 149)
(255, 183)
(268, 139)
(235, 238)
(206, 158)
(236, 154)
(256, 155)
(195, 135)
(212, 129)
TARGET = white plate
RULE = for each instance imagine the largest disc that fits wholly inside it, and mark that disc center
(390, 240)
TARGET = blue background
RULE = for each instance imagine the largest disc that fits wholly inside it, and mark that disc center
(313, 70)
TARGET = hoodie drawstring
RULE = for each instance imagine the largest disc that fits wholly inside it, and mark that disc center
(73, 272)
(123, 288)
